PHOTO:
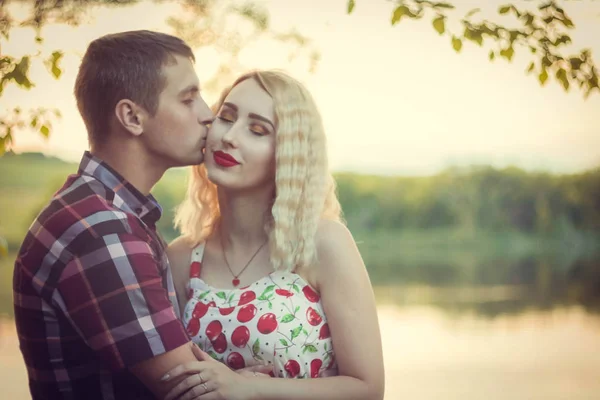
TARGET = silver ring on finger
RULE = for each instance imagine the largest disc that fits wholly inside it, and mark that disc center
(200, 376)
(204, 386)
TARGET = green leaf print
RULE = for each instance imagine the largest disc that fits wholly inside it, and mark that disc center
(213, 355)
(256, 347)
(287, 318)
(230, 298)
(296, 332)
(283, 342)
(296, 288)
(305, 332)
(268, 290)
(222, 295)
(296, 309)
(203, 295)
(310, 348)
(262, 297)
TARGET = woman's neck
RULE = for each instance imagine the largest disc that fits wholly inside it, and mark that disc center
(243, 218)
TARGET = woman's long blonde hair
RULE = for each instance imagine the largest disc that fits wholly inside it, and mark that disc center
(305, 189)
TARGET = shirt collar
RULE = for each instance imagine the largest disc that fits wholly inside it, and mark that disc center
(127, 197)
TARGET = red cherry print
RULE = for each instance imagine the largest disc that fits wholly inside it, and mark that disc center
(315, 366)
(220, 344)
(236, 361)
(313, 317)
(324, 332)
(226, 311)
(190, 293)
(267, 323)
(293, 368)
(195, 269)
(246, 297)
(272, 374)
(212, 304)
(193, 327)
(240, 336)
(246, 313)
(199, 310)
(284, 293)
(310, 294)
(213, 330)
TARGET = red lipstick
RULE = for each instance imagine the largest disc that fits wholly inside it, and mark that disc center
(224, 160)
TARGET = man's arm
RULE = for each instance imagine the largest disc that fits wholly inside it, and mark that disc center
(112, 291)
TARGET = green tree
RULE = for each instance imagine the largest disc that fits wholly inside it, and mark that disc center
(541, 27)
(224, 25)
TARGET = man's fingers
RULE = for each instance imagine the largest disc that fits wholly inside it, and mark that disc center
(184, 369)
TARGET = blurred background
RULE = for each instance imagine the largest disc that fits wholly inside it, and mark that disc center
(464, 137)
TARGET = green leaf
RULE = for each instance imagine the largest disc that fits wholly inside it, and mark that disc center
(561, 75)
(543, 77)
(575, 63)
(213, 355)
(44, 130)
(439, 24)
(507, 53)
(456, 44)
(296, 309)
(230, 298)
(444, 5)
(222, 295)
(203, 295)
(256, 347)
(267, 290)
(351, 4)
(305, 332)
(296, 332)
(287, 318)
(399, 12)
(531, 67)
(472, 12)
(270, 306)
(283, 342)
(262, 297)
(296, 288)
(504, 9)
(311, 348)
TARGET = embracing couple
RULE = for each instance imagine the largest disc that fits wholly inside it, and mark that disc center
(265, 282)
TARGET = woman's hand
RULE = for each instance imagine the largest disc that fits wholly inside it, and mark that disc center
(209, 379)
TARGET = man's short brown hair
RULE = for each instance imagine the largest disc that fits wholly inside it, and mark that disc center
(126, 65)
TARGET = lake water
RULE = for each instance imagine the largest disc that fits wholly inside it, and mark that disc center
(433, 352)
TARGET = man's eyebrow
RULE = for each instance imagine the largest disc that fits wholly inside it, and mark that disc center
(193, 88)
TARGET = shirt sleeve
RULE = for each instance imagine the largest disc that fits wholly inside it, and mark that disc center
(114, 295)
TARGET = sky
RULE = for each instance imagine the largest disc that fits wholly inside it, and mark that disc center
(394, 99)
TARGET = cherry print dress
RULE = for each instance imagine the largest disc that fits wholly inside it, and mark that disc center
(278, 319)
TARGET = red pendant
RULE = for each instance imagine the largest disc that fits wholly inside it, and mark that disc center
(235, 282)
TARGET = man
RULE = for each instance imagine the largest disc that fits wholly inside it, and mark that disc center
(95, 307)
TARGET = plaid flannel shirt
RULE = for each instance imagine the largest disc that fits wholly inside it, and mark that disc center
(93, 291)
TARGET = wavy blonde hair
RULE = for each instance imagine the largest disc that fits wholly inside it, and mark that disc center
(305, 189)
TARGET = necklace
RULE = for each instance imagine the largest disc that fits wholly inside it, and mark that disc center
(235, 281)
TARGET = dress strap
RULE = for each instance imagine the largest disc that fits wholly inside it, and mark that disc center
(196, 260)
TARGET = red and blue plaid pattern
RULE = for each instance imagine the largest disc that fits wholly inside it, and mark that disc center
(93, 291)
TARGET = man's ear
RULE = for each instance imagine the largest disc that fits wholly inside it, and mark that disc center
(130, 116)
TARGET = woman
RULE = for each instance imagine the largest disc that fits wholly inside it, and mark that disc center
(265, 271)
